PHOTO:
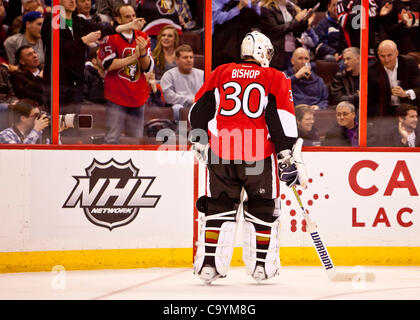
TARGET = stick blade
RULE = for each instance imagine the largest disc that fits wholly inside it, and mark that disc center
(352, 276)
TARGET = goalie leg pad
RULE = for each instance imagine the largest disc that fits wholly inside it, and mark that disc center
(261, 237)
(217, 234)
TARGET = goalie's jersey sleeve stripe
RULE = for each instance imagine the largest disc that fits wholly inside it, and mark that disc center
(281, 125)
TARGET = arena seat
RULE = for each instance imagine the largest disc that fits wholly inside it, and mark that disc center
(326, 70)
(193, 39)
(199, 61)
(155, 112)
(324, 119)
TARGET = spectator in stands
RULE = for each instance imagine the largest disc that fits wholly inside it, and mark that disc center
(75, 39)
(408, 132)
(232, 20)
(307, 4)
(28, 124)
(156, 97)
(402, 25)
(6, 90)
(392, 80)
(345, 132)
(107, 8)
(398, 131)
(7, 96)
(305, 122)
(27, 80)
(225, 10)
(331, 37)
(164, 52)
(345, 85)
(283, 24)
(126, 58)
(161, 13)
(349, 16)
(18, 8)
(84, 10)
(180, 84)
(308, 88)
(3, 36)
(15, 11)
(30, 36)
(93, 89)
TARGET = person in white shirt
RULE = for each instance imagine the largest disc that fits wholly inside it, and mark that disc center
(31, 36)
(180, 84)
(393, 79)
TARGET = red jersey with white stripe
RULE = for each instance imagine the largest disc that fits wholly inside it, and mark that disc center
(248, 111)
(127, 86)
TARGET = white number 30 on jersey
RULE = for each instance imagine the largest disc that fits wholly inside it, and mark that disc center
(244, 103)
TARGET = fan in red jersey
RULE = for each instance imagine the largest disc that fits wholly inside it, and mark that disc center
(244, 129)
(126, 57)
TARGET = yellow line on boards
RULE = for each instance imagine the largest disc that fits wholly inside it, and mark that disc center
(182, 257)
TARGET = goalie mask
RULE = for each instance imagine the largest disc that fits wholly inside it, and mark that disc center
(257, 46)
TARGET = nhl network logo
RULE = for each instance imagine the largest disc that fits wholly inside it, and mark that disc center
(111, 193)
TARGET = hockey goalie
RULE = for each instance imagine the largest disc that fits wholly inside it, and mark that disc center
(244, 130)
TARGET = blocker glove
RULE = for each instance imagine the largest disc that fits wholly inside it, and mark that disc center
(292, 170)
(200, 151)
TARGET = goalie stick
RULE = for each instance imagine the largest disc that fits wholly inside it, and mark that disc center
(323, 254)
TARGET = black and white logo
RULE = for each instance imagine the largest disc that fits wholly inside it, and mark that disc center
(112, 193)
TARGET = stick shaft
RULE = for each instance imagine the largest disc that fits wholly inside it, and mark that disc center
(320, 248)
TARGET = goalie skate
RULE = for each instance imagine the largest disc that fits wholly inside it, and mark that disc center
(259, 274)
(209, 274)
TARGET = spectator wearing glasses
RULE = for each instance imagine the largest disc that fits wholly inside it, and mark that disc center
(345, 131)
(28, 124)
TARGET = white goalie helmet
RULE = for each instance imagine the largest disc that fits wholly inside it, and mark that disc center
(258, 46)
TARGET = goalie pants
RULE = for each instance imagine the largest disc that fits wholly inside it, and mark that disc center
(224, 186)
(258, 178)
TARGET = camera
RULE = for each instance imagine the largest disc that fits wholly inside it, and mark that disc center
(72, 120)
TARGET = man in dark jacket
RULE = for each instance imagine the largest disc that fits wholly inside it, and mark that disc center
(227, 36)
(402, 25)
(27, 80)
(331, 36)
(281, 22)
(393, 79)
(345, 84)
(398, 131)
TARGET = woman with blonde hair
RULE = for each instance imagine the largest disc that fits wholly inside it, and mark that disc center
(164, 52)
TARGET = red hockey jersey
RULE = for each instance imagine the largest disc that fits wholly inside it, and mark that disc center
(127, 86)
(247, 110)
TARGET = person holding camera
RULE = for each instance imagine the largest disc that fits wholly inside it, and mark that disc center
(28, 124)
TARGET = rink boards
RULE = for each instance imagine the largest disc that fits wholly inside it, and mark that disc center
(94, 209)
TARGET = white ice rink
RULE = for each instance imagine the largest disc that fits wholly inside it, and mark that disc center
(303, 283)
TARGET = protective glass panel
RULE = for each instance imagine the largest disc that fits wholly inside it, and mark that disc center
(114, 57)
(24, 83)
(394, 75)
